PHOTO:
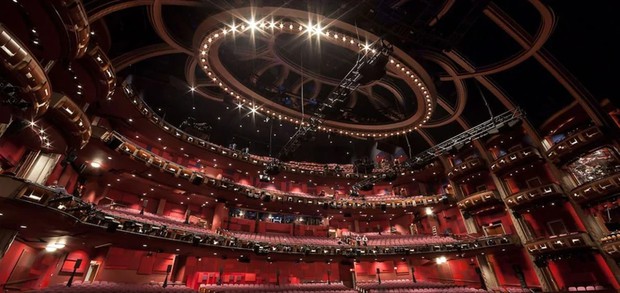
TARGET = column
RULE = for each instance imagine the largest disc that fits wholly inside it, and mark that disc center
(6, 239)
(219, 215)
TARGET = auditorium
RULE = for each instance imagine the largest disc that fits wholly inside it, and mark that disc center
(354, 146)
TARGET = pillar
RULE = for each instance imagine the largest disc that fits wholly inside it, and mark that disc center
(219, 215)
(161, 205)
(178, 268)
(6, 239)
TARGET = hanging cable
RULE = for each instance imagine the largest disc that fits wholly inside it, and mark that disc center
(484, 99)
(302, 86)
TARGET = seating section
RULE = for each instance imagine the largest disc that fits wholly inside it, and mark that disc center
(297, 288)
(397, 286)
(287, 239)
(109, 287)
(155, 220)
(406, 240)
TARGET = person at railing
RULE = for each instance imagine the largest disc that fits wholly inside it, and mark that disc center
(57, 187)
(364, 240)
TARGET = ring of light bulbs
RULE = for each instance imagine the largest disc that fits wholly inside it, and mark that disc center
(292, 27)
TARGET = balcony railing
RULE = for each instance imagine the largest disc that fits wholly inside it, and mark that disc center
(467, 167)
(34, 198)
(573, 143)
(126, 147)
(559, 243)
(597, 189)
(515, 159)
(611, 244)
(479, 201)
(532, 196)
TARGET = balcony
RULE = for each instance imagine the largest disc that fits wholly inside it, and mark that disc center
(515, 159)
(597, 189)
(560, 243)
(611, 244)
(574, 143)
(480, 202)
(466, 168)
(532, 196)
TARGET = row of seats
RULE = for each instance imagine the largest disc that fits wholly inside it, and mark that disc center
(110, 287)
(405, 285)
(288, 239)
(173, 223)
(303, 287)
(274, 195)
(156, 220)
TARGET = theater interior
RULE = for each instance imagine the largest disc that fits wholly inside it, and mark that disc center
(309, 146)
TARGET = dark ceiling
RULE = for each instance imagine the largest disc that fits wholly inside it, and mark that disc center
(581, 42)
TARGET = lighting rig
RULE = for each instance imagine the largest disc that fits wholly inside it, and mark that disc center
(509, 118)
(369, 67)
(491, 126)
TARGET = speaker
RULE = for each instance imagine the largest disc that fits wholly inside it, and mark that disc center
(325, 205)
(466, 215)
(114, 143)
(112, 227)
(347, 215)
(169, 269)
(197, 179)
(267, 198)
(383, 207)
(244, 259)
(196, 241)
(78, 262)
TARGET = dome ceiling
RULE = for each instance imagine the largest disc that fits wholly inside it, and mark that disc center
(465, 53)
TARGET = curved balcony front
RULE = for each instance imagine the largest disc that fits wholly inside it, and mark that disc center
(126, 147)
(63, 212)
(515, 159)
(533, 196)
(465, 168)
(560, 243)
(596, 190)
(611, 244)
(480, 201)
(574, 143)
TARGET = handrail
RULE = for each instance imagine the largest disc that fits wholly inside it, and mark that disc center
(175, 169)
(296, 167)
(87, 214)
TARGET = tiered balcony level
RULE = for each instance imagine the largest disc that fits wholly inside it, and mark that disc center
(533, 196)
(597, 189)
(465, 168)
(574, 143)
(515, 159)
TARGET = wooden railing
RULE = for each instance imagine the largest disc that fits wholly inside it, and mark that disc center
(597, 189)
(479, 201)
(573, 143)
(465, 168)
(514, 159)
(611, 244)
(552, 244)
(533, 196)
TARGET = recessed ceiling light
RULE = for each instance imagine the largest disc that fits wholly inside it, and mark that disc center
(23, 226)
(95, 164)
